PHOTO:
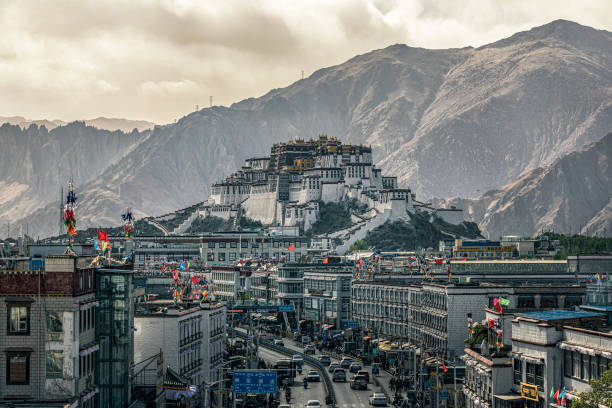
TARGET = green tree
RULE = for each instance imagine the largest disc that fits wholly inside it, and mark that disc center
(599, 395)
(359, 245)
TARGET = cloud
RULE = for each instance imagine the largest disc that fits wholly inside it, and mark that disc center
(156, 60)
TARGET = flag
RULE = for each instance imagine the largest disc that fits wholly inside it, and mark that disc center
(97, 245)
(325, 261)
(104, 245)
(102, 236)
(463, 259)
(291, 247)
(194, 280)
(439, 261)
(552, 391)
(562, 395)
(556, 396)
(504, 302)
(444, 366)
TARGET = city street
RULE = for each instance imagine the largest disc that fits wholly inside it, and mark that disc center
(299, 395)
(345, 396)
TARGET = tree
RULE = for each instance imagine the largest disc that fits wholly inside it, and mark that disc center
(599, 395)
(359, 245)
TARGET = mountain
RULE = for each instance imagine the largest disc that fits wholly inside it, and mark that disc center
(447, 122)
(112, 124)
(572, 195)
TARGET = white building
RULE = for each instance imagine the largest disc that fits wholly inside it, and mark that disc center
(191, 338)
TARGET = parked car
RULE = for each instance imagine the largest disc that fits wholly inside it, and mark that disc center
(298, 360)
(359, 383)
(312, 404)
(332, 367)
(378, 399)
(354, 367)
(365, 374)
(346, 362)
(279, 342)
(339, 375)
(325, 360)
(313, 376)
(309, 349)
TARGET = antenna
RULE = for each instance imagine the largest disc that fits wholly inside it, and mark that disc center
(197, 108)
(302, 74)
(211, 101)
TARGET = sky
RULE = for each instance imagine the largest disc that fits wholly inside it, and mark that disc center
(157, 60)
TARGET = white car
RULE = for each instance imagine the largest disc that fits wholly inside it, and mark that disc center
(312, 404)
(298, 359)
(378, 398)
(313, 376)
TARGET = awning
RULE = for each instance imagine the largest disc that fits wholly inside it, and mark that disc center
(90, 394)
(529, 359)
(88, 349)
(89, 305)
(584, 350)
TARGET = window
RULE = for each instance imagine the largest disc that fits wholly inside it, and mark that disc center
(222, 244)
(211, 244)
(244, 244)
(221, 256)
(518, 371)
(17, 368)
(586, 367)
(19, 320)
(535, 374)
(573, 300)
(233, 244)
(548, 301)
(232, 256)
(210, 257)
(567, 363)
(526, 302)
(576, 368)
(55, 364)
(55, 326)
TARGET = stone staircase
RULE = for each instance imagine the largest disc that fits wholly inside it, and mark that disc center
(158, 226)
(184, 226)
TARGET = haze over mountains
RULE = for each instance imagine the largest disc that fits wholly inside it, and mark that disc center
(125, 125)
(448, 123)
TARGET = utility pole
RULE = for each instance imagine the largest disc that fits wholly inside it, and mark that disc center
(437, 381)
(455, 381)
(211, 101)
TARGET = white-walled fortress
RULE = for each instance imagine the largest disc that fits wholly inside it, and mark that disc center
(286, 187)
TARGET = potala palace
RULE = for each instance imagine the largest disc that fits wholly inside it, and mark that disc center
(285, 188)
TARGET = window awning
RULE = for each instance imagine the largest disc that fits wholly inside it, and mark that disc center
(584, 350)
(89, 349)
(89, 305)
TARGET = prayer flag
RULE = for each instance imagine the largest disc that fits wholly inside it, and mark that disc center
(291, 247)
(325, 261)
(102, 236)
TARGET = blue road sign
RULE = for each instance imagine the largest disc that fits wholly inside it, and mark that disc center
(286, 309)
(254, 382)
(352, 324)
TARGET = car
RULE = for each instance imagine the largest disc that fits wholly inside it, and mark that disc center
(359, 383)
(339, 375)
(346, 362)
(279, 342)
(297, 359)
(309, 349)
(312, 404)
(378, 399)
(305, 340)
(313, 376)
(325, 360)
(333, 367)
(365, 374)
(284, 406)
(354, 367)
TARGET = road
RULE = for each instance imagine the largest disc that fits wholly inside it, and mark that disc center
(345, 396)
(299, 395)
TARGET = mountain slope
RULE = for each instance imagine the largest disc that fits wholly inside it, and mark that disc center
(112, 124)
(447, 122)
(573, 194)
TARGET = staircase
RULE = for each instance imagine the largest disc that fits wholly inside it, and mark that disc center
(184, 226)
(157, 225)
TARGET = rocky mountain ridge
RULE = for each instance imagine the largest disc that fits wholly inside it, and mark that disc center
(448, 123)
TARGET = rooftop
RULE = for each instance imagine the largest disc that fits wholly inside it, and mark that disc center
(551, 315)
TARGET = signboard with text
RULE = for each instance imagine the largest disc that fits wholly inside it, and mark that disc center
(286, 309)
(529, 391)
(254, 382)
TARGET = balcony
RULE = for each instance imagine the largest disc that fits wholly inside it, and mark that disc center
(190, 339)
(191, 366)
(217, 332)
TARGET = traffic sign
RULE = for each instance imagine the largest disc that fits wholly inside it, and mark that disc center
(286, 309)
(352, 324)
(254, 382)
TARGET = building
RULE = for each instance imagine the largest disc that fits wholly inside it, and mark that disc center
(115, 336)
(191, 338)
(327, 293)
(522, 246)
(48, 348)
(483, 249)
(559, 349)
(436, 313)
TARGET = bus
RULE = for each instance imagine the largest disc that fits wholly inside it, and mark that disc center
(285, 370)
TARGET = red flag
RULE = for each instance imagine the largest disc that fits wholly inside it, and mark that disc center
(194, 280)
(291, 247)
(439, 261)
(325, 261)
(444, 366)
(360, 261)
(490, 323)
(463, 259)
(102, 236)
